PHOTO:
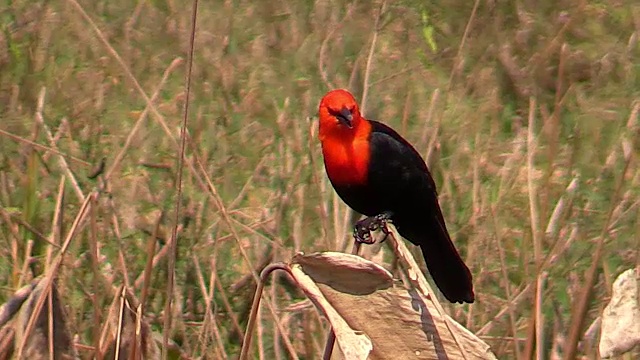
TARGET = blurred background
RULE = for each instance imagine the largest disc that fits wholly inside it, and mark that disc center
(526, 111)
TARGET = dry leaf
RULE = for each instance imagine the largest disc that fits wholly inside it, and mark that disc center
(127, 328)
(334, 268)
(37, 341)
(13, 304)
(621, 318)
(375, 317)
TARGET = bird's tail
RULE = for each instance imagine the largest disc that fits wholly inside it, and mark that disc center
(445, 265)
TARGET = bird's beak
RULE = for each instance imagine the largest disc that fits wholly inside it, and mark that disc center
(345, 117)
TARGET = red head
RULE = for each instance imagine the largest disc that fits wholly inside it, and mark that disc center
(339, 114)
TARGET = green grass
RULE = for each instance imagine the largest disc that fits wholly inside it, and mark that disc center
(256, 82)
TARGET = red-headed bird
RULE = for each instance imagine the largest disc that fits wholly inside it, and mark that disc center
(379, 174)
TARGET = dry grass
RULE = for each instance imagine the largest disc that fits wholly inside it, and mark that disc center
(528, 117)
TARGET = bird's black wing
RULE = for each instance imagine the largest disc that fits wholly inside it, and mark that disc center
(396, 168)
(382, 132)
(404, 184)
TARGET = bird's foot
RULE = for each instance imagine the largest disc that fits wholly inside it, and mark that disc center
(363, 229)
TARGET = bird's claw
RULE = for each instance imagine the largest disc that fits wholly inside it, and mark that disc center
(362, 235)
(363, 228)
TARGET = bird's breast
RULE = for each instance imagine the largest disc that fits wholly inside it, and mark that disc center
(347, 163)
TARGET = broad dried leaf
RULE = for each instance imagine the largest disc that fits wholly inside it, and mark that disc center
(6, 342)
(362, 301)
(13, 304)
(333, 268)
(621, 318)
(37, 341)
(124, 320)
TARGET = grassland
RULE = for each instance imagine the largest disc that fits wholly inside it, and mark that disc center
(527, 114)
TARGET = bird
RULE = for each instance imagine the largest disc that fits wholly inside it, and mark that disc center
(379, 174)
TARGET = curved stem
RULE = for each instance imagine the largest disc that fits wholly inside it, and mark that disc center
(255, 306)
